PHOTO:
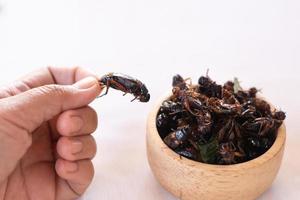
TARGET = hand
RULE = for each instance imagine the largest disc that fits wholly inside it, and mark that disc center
(45, 142)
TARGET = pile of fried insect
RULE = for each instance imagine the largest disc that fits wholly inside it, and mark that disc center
(217, 124)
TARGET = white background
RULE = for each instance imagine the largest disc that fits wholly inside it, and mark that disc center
(257, 41)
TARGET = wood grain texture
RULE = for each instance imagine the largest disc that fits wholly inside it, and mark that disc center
(189, 180)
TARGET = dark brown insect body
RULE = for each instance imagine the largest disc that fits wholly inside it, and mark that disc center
(187, 100)
(209, 87)
(177, 137)
(188, 152)
(171, 107)
(178, 81)
(125, 84)
(229, 153)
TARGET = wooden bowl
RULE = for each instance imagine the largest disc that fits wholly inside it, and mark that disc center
(188, 179)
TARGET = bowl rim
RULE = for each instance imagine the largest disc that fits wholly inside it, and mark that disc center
(275, 149)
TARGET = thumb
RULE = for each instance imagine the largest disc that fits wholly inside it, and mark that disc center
(30, 109)
(23, 113)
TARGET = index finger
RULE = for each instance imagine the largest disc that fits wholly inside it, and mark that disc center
(45, 76)
(68, 75)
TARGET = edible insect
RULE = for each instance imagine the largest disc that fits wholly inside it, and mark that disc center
(178, 81)
(217, 124)
(188, 152)
(177, 137)
(187, 100)
(125, 84)
(229, 153)
(171, 108)
(209, 87)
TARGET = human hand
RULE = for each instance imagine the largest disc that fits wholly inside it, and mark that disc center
(45, 142)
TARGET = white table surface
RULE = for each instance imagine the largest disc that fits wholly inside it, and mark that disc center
(257, 41)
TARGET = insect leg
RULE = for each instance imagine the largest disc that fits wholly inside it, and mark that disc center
(187, 106)
(134, 99)
(107, 87)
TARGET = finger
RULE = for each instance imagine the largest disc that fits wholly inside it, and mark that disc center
(69, 75)
(45, 102)
(76, 148)
(75, 177)
(77, 122)
(45, 76)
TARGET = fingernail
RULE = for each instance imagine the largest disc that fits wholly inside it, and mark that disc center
(86, 83)
(77, 124)
(71, 166)
(76, 146)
